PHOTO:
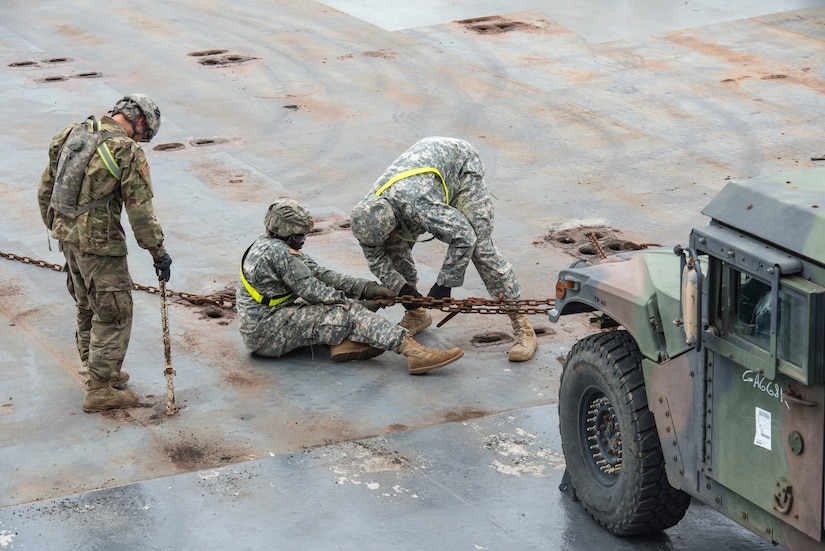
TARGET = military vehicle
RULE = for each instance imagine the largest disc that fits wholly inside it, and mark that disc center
(706, 379)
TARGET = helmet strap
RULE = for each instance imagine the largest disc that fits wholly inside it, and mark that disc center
(296, 241)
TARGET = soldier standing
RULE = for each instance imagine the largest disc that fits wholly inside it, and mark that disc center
(437, 186)
(285, 300)
(95, 169)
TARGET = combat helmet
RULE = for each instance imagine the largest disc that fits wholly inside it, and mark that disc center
(372, 221)
(287, 217)
(133, 106)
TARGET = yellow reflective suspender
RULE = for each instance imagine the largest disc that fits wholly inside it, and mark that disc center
(262, 299)
(109, 161)
(106, 155)
(415, 172)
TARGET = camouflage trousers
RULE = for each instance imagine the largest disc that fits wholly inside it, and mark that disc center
(496, 273)
(102, 290)
(300, 324)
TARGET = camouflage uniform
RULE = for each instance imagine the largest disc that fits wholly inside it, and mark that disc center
(94, 244)
(319, 308)
(464, 221)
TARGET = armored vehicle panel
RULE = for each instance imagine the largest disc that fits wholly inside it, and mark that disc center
(715, 374)
(786, 210)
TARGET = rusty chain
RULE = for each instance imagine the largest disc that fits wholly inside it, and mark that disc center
(27, 260)
(450, 305)
(221, 300)
(595, 240)
(473, 305)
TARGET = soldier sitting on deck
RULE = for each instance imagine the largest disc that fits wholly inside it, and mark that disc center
(285, 300)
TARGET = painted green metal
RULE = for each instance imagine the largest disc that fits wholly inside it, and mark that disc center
(740, 414)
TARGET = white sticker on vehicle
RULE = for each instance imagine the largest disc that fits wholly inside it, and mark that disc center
(763, 429)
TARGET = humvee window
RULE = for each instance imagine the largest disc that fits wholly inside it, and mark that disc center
(792, 326)
(752, 309)
(752, 305)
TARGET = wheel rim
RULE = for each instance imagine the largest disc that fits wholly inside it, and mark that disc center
(601, 436)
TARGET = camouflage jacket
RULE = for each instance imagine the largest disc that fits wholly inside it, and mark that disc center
(274, 269)
(456, 216)
(99, 231)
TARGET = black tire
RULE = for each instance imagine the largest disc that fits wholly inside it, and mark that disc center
(611, 448)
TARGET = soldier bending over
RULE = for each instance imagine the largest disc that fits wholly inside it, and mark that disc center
(437, 186)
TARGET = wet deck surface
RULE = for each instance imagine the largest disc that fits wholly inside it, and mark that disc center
(626, 115)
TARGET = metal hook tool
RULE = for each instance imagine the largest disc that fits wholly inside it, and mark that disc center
(168, 372)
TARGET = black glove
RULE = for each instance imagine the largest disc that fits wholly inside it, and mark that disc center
(439, 291)
(163, 267)
(376, 290)
(409, 290)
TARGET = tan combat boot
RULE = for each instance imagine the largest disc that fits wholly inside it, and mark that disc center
(416, 320)
(349, 350)
(118, 380)
(421, 359)
(526, 342)
(100, 396)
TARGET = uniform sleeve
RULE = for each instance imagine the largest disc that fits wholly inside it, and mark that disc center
(450, 226)
(46, 185)
(352, 287)
(381, 265)
(298, 276)
(136, 186)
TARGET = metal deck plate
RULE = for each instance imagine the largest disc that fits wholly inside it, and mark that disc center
(631, 116)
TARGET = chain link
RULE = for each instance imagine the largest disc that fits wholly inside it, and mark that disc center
(453, 306)
(221, 300)
(595, 240)
(27, 260)
(528, 307)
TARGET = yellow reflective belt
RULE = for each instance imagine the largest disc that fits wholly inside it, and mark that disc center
(414, 172)
(254, 292)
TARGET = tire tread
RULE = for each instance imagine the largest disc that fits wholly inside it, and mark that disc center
(657, 505)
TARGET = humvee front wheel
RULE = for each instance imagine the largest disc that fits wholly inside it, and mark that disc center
(611, 448)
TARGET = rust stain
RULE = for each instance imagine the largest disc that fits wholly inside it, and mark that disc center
(713, 49)
(235, 184)
(78, 34)
(383, 54)
(17, 318)
(10, 290)
(191, 453)
(324, 112)
(323, 431)
(760, 68)
(140, 21)
(458, 415)
(217, 349)
(247, 379)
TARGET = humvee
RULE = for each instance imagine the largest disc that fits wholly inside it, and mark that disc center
(705, 380)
